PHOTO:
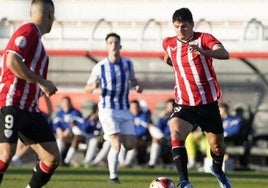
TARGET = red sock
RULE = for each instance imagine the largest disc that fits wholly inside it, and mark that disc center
(3, 167)
(177, 143)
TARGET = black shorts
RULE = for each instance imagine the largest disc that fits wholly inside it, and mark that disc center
(30, 127)
(207, 116)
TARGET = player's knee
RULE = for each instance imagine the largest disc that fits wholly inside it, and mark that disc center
(53, 161)
(176, 135)
(218, 150)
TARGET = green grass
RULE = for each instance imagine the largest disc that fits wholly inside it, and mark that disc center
(18, 177)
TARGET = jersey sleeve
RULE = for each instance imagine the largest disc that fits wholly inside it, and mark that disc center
(131, 70)
(22, 40)
(164, 44)
(209, 41)
(95, 75)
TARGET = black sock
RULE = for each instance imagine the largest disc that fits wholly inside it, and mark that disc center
(180, 159)
(1, 177)
(39, 178)
(217, 161)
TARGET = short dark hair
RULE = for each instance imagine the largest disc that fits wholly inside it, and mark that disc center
(135, 101)
(66, 97)
(182, 15)
(112, 35)
(50, 2)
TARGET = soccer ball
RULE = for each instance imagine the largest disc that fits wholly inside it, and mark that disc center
(162, 182)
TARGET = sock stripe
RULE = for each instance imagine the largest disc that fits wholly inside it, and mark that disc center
(46, 168)
(177, 143)
(3, 167)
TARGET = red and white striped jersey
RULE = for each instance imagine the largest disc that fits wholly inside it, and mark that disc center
(26, 43)
(195, 78)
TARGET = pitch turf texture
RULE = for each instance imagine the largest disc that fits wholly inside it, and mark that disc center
(17, 177)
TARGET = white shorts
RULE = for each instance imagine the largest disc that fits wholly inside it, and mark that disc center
(116, 121)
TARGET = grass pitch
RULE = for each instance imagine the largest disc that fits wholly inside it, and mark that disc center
(18, 177)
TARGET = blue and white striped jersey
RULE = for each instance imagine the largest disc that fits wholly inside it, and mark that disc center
(114, 79)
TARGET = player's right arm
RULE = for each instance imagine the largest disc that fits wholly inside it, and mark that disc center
(89, 88)
(166, 44)
(94, 79)
(167, 60)
(16, 65)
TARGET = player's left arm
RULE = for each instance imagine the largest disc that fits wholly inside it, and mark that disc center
(18, 67)
(135, 84)
(217, 51)
(132, 79)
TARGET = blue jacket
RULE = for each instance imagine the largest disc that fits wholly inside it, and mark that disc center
(162, 124)
(62, 119)
(141, 122)
(92, 126)
(231, 125)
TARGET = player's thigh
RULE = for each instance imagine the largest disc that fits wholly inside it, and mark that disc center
(110, 124)
(179, 128)
(47, 152)
(7, 151)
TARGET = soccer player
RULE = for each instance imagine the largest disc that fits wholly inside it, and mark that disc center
(23, 81)
(115, 75)
(197, 91)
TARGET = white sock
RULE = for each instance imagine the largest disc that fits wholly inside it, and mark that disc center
(61, 145)
(155, 152)
(103, 153)
(191, 162)
(122, 156)
(15, 158)
(70, 155)
(91, 149)
(130, 157)
(113, 162)
(16, 161)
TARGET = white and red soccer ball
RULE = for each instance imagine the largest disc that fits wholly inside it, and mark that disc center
(162, 182)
